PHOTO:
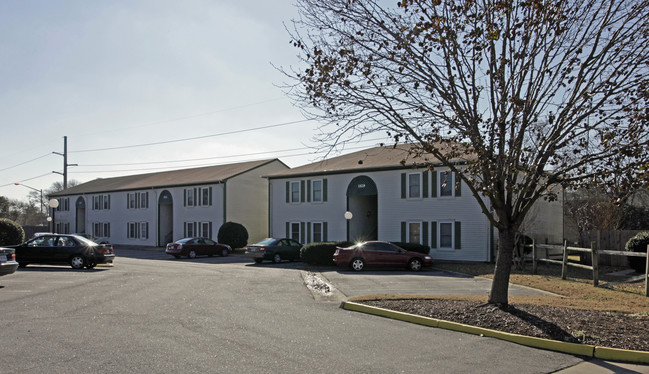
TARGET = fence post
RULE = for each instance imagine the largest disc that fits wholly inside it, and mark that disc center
(534, 262)
(564, 267)
(595, 258)
(646, 275)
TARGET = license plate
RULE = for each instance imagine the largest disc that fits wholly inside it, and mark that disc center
(3, 258)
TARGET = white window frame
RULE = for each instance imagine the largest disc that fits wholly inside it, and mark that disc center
(295, 190)
(204, 229)
(191, 229)
(190, 197)
(133, 230)
(106, 203)
(313, 190)
(204, 196)
(419, 180)
(439, 235)
(292, 232)
(450, 182)
(143, 202)
(313, 231)
(144, 230)
(408, 233)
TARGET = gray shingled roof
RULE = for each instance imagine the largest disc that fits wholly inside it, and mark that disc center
(373, 159)
(184, 177)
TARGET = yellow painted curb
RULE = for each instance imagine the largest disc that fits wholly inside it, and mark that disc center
(552, 345)
(616, 354)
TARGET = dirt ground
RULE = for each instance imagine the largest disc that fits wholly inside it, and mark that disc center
(600, 328)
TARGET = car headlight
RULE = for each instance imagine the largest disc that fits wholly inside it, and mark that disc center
(428, 258)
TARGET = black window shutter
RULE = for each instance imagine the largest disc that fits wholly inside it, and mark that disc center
(403, 232)
(195, 197)
(302, 231)
(302, 190)
(324, 190)
(210, 197)
(324, 231)
(433, 184)
(185, 201)
(308, 232)
(308, 191)
(433, 234)
(458, 235)
(403, 185)
(424, 234)
(288, 191)
(288, 230)
(424, 184)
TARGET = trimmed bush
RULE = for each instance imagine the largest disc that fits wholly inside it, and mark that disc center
(10, 232)
(233, 234)
(638, 244)
(413, 247)
(321, 253)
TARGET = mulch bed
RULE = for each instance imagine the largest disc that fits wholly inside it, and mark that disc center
(600, 328)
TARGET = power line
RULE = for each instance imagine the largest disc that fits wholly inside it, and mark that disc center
(193, 138)
(26, 180)
(26, 162)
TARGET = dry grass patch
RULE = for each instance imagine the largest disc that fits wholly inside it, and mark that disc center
(576, 291)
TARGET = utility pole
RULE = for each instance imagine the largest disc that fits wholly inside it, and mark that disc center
(65, 162)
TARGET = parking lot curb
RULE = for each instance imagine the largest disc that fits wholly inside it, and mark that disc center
(585, 350)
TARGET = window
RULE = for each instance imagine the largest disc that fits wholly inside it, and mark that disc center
(295, 231)
(414, 185)
(101, 202)
(191, 229)
(144, 230)
(317, 232)
(446, 235)
(414, 232)
(317, 191)
(133, 230)
(295, 192)
(445, 183)
(205, 196)
(190, 198)
(100, 229)
(206, 229)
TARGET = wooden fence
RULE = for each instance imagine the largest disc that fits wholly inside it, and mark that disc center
(554, 250)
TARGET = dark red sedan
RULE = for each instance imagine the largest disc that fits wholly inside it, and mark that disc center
(380, 254)
(192, 247)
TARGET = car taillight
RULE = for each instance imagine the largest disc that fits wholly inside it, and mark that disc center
(262, 249)
(11, 257)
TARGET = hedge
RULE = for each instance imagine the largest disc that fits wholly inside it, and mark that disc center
(233, 234)
(638, 243)
(10, 232)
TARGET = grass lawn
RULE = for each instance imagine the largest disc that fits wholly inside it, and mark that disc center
(577, 291)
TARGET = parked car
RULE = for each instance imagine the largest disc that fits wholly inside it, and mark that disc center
(8, 264)
(274, 249)
(75, 250)
(377, 253)
(192, 247)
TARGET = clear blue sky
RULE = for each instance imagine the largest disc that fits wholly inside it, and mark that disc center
(117, 73)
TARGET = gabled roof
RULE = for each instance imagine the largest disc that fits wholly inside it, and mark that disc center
(184, 177)
(373, 159)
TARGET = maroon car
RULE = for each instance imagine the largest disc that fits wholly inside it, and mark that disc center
(380, 254)
(192, 247)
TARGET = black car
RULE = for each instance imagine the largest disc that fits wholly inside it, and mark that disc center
(74, 250)
(8, 264)
(192, 247)
(274, 249)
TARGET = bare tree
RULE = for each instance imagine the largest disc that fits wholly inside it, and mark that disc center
(514, 95)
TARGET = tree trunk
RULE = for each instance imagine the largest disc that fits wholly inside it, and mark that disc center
(500, 285)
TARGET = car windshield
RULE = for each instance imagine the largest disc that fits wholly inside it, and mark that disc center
(268, 241)
(185, 240)
(85, 241)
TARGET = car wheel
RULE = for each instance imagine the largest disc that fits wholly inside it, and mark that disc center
(258, 260)
(177, 256)
(224, 252)
(277, 258)
(77, 262)
(358, 264)
(22, 264)
(191, 254)
(415, 264)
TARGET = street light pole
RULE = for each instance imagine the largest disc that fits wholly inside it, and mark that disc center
(35, 189)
